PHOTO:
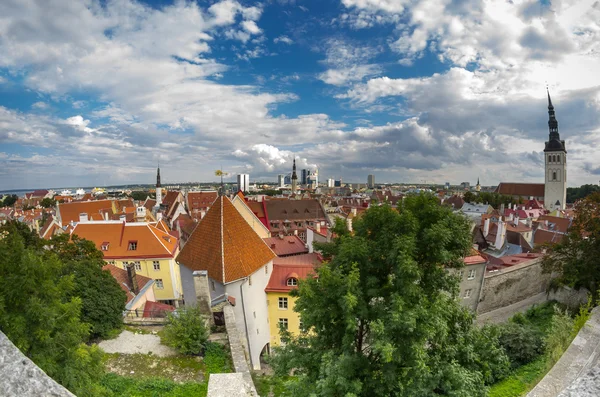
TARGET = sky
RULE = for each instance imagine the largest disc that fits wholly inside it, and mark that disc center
(98, 92)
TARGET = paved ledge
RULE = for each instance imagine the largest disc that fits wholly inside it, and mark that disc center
(577, 372)
(19, 376)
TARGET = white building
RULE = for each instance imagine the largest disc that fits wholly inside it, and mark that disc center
(330, 182)
(555, 159)
(238, 264)
(243, 181)
(281, 180)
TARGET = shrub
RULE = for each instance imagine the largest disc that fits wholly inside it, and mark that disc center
(560, 335)
(522, 343)
(217, 359)
(186, 331)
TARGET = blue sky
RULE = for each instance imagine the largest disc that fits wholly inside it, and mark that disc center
(98, 92)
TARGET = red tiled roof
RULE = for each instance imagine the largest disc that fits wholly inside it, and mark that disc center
(70, 211)
(286, 245)
(200, 200)
(542, 236)
(560, 224)
(521, 189)
(311, 259)
(281, 273)
(157, 309)
(123, 280)
(512, 260)
(151, 242)
(225, 245)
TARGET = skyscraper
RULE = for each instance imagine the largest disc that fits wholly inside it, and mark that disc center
(243, 181)
(304, 177)
(281, 180)
(371, 181)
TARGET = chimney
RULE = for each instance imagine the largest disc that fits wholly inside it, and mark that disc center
(159, 216)
(318, 227)
(510, 217)
(83, 217)
(349, 224)
(123, 218)
(500, 235)
(486, 227)
(516, 220)
(132, 279)
(296, 232)
(502, 209)
(202, 213)
(105, 216)
(203, 298)
(354, 211)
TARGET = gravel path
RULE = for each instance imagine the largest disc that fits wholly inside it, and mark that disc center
(129, 343)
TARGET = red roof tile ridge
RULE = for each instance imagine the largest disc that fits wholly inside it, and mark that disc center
(222, 241)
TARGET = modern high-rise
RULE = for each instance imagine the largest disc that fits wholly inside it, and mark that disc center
(330, 182)
(371, 181)
(304, 177)
(243, 181)
(281, 180)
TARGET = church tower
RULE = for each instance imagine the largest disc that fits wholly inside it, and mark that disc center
(555, 158)
(294, 178)
(158, 188)
(478, 186)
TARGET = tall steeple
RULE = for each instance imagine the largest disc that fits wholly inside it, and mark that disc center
(158, 187)
(555, 159)
(294, 177)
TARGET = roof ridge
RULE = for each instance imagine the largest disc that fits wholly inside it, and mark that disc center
(158, 238)
(222, 243)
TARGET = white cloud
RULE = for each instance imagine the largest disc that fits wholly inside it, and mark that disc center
(40, 105)
(348, 62)
(283, 39)
(251, 27)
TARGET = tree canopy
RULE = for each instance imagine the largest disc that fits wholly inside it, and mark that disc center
(9, 200)
(576, 193)
(493, 199)
(382, 318)
(575, 258)
(40, 313)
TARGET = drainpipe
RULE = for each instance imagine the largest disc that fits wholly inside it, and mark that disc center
(246, 322)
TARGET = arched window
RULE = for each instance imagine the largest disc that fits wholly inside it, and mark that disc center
(554, 175)
(292, 282)
(558, 158)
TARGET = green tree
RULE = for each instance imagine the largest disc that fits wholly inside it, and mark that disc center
(186, 331)
(48, 202)
(39, 314)
(577, 193)
(139, 195)
(382, 316)
(9, 200)
(522, 343)
(103, 300)
(575, 258)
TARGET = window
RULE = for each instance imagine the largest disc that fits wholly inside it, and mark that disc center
(468, 293)
(266, 269)
(291, 282)
(156, 265)
(558, 158)
(159, 283)
(256, 331)
(554, 176)
(249, 280)
(132, 246)
(471, 274)
(254, 313)
(138, 266)
(283, 303)
(460, 274)
(125, 265)
(104, 246)
(283, 322)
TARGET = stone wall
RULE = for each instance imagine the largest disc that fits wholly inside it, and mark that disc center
(19, 376)
(512, 285)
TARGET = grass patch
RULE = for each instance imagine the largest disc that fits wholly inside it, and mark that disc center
(266, 384)
(217, 359)
(117, 386)
(175, 368)
(522, 380)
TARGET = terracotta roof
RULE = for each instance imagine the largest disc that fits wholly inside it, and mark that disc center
(149, 204)
(39, 193)
(512, 260)
(312, 259)
(157, 309)
(280, 210)
(286, 245)
(70, 211)
(521, 189)
(123, 280)
(200, 200)
(557, 224)
(542, 236)
(281, 273)
(170, 197)
(150, 241)
(520, 228)
(225, 245)
(455, 201)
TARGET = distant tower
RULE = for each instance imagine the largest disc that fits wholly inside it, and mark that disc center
(478, 186)
(294, 177)
(555, 158)
(158, 188)
(371, 181)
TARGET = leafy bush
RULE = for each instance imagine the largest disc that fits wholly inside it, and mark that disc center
(560, 335)
(521, 342)
(120, 386)
(186, 331)
(217, 359)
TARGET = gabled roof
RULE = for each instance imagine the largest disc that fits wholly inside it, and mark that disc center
(150, 241)
(123, 280)
(200, 200)
(225, 245)
(542, 236)
(286, 245)
(299, 267)
(560, 225)
(295, 210)
(521, 189)
(70, 211)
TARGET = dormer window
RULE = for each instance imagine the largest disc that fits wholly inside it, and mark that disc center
(292, 282)
(132, 246)
(104, 246)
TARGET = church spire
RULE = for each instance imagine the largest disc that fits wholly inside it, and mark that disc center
(158, 176)
(552, 122)
(294, 177)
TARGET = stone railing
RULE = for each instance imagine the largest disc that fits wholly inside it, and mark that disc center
(19, 376)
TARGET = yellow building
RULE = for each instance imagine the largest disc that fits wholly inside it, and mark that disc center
(148, 245)
(284, 277)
